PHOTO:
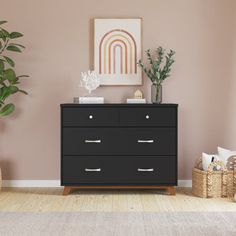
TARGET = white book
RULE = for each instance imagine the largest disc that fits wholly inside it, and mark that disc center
(89, 100)
(136, 100)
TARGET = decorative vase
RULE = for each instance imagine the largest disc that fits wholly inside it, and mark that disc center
(156, 93)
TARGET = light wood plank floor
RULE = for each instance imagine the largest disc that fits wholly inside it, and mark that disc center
(51, 199)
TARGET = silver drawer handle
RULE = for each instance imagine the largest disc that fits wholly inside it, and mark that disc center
(92, 141)
(142, 170)
(146, 141)
(95, 170)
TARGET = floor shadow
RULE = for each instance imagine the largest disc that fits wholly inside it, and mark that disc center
(117, 191)
(59, 191)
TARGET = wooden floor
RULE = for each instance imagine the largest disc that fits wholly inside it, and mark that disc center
(51, 199)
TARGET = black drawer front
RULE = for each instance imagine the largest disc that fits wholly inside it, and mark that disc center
(123, 141)
(148, 141)
(166, 116)
(90, 117)
(90, 141)
(116, 170)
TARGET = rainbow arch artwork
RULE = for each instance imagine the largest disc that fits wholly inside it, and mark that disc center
(117, 48)
(109, 43)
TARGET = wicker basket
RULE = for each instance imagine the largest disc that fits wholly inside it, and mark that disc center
(212, 183)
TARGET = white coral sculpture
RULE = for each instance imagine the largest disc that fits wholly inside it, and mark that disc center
(90, 80)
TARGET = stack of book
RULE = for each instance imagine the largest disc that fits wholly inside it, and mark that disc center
(136, 100)
(89, 100)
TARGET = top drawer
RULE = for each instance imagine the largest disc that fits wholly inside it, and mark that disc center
(74, 116)
(158, 116)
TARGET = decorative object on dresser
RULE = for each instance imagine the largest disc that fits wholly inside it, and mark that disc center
(89, 100)
(138, 94)
(132, 146)
(135, 101)
(9, 81)
(138, 98)
(90, 81)
(158, 71)
(117, 48)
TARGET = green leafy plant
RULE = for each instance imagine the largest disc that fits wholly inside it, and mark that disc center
(158, 70)
(9, 81)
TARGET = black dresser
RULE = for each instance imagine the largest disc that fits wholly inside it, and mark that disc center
(119, 146)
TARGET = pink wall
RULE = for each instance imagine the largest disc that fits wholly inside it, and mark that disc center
(58, 36)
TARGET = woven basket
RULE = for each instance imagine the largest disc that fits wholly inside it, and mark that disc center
(212, 183)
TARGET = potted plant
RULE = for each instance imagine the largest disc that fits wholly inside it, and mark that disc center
(9, 81)
(158, 70)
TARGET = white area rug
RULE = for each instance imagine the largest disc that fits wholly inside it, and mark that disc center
(118, 224)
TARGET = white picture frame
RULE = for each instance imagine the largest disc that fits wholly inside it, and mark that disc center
(117, 49)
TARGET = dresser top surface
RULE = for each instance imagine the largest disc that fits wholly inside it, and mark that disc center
(119, 105)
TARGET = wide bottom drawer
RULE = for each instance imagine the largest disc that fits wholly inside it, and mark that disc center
(119, 170)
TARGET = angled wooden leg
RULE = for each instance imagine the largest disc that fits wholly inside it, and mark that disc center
(171, 190)
(66, 190)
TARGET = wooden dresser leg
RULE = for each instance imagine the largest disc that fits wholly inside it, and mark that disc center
(171, 190)
(66, 190)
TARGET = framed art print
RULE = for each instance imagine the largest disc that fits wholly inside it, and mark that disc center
(117, 49)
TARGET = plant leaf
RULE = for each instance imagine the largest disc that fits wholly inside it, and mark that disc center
(13, 48)
(15, 35)
(23, 91)
(22, 76)
(5, 33)
(13, 89)
(14, 83)
(3, 22)
(2, 36)
(9, 61)
(7, 109)
(16, 44)
(10, 75)
(7, 91)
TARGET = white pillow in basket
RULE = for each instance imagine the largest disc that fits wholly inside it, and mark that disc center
(224, 156)
(207, 159)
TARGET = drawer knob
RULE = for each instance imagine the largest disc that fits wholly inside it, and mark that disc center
(147, 117)
(92, 170)
(145, 170)
(90, 117)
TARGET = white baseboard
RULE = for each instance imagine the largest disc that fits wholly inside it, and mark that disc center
(56, 183)
(31, 183)
(185, 183)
